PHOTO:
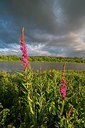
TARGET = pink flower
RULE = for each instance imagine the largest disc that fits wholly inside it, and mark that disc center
(63, 87)
(24, 50)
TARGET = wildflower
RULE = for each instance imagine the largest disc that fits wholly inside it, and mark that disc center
(68, 114)
(24, 50)
(63, 87)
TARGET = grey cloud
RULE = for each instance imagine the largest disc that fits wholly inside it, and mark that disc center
(75, 11)
(37, 14)
(72, 52)
(40, 14)
(47, 22)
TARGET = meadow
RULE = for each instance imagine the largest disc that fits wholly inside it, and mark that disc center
(32, 99)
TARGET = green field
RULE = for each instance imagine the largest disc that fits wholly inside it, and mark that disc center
(34, 101)
(43, 59)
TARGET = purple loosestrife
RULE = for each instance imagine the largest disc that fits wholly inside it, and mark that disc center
(68, 114)
(63, 87)
(24, 50)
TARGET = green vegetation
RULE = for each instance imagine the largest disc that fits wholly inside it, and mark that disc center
(56, 59)
(43, 59)
(36, 103)
(9, 58)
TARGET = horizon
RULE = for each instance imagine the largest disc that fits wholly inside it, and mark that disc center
(52, 27)
(42, 56)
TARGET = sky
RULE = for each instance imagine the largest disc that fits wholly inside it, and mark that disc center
(52, 27)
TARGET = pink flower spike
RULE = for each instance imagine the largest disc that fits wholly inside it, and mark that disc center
(63, 87)
(24, 50)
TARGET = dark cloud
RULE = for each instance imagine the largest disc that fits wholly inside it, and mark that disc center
(36, 13)
(40, 14)
(50, 23)
(74, 10)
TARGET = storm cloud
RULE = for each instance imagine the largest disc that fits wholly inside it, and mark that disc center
(52, 27)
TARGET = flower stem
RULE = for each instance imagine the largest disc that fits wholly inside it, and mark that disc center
(62, 109)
